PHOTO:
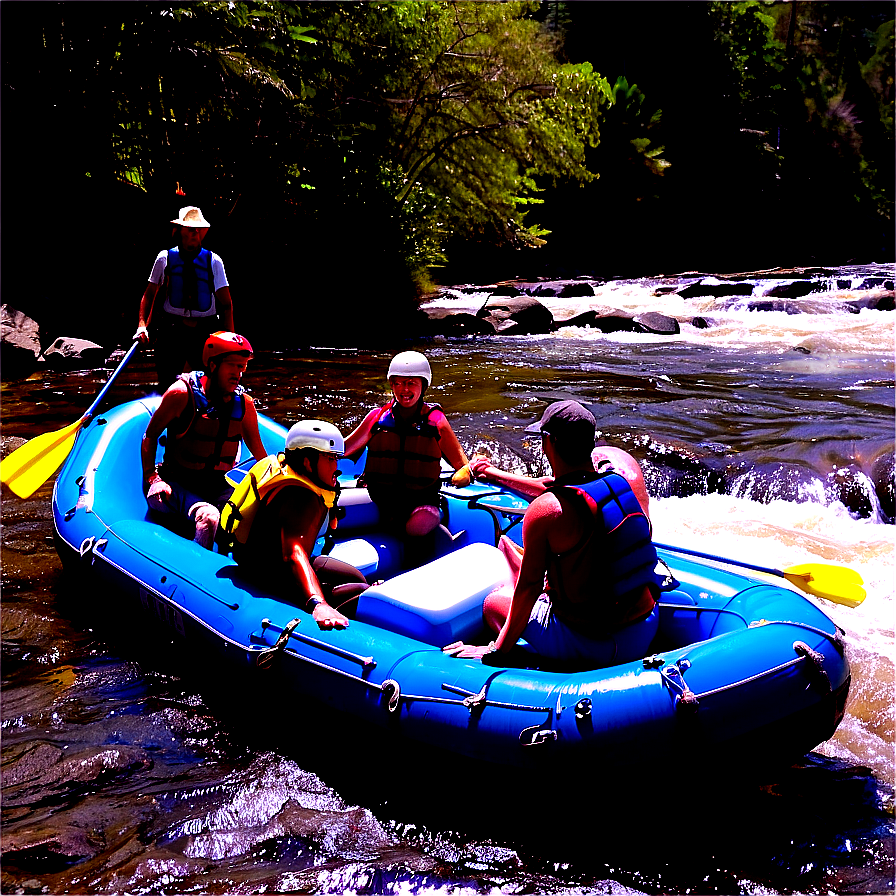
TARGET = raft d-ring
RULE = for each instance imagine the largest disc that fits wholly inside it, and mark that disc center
(392, 690)
(264, 658)
(476, 702)
(86, 546)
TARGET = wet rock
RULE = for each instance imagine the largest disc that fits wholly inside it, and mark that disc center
(703, 323)
(775, 305)
(19, 342)
(883, 476)
(873, 282)
(665, 290)
(585, 319)
(794, 290)
(617, 322)
(716, 290)
(879, 300)
(517, 315)
(654, 322)
(765, 483)
(853, 489)
(676, 470)
(576, 290)
(67, 353)
(506, 289)
(546, 291)
(442, 323)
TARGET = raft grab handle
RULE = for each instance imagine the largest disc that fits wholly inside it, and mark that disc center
(368, 662)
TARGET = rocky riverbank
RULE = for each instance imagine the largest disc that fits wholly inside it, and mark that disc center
(515, 308)
(524, 307)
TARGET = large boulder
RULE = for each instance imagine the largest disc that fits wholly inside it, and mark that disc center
(794, 290)
(587, 318)
(878, 299)
(461, 323)
(883, 475)
(716, 290)
(67, 353)
(19, 342)
(775, 305)
(516, 315)
(873, 282)
(654, 322)
(617, 322)
(853, 489)
(576, 290)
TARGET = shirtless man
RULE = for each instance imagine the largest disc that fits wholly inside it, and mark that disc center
(586, 536)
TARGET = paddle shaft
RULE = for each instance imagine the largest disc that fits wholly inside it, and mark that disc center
(88, 414)
(765, 569)
(28, 467)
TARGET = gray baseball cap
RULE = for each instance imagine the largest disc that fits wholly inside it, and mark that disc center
(564, 417)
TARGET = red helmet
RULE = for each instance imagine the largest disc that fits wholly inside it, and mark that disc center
(224, 343)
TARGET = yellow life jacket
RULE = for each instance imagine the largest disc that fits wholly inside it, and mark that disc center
(262, 481)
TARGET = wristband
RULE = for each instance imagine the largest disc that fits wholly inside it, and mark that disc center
(314, 601)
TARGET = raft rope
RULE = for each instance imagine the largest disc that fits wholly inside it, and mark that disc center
(473, 701)
(391, 689)
(686, 699)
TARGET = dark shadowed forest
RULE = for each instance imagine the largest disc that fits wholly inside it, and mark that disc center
(350, 156)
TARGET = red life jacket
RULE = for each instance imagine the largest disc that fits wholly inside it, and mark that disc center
(404, 455)
(599, 585)
(205, 439)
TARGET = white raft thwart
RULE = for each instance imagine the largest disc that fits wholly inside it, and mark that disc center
(440, 602)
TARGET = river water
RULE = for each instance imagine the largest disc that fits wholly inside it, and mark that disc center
(766, 436)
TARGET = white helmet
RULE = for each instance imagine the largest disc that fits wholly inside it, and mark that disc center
(411, 364)
(316, 434)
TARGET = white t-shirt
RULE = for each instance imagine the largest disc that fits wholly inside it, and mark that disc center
(219, 278)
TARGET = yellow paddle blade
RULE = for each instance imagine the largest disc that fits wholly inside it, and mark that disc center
(839, 584)
(32, 464)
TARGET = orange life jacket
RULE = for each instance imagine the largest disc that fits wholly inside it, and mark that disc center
(206, 438)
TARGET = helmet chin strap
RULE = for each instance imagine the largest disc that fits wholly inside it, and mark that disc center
(312, 475)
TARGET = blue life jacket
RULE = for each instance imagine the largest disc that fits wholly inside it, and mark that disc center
(599, 584)
(198, 301)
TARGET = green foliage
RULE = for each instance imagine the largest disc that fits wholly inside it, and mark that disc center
(395, 131)
(451, 107)
(814, 73)
(630, 120)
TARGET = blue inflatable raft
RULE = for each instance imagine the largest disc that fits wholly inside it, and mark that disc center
(739, 664)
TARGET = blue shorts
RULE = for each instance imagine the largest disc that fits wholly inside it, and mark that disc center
(549, 637)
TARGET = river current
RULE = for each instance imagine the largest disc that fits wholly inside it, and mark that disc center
(765, 436)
